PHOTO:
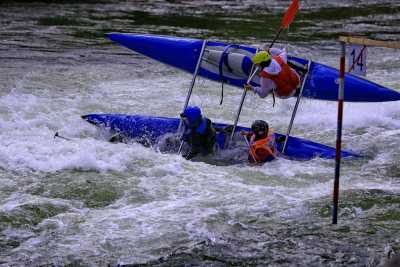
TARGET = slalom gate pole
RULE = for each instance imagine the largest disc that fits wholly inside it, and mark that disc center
(295, 108)
(339, 134)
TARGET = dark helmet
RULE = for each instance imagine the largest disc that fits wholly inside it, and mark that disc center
(259, 126)
(193, 115)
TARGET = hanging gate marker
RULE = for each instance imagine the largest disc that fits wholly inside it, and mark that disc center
(348, 40)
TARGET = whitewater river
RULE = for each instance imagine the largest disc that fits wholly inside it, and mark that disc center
(87, 202)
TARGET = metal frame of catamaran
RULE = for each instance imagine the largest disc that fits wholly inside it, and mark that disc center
(287, 19)
(190, 91)
(343, 41)
(252, 73)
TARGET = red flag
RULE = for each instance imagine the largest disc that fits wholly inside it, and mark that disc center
(290, 13)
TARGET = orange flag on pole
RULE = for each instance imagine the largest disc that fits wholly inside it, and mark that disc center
(290, 14)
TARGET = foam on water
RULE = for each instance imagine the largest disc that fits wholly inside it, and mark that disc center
(28, 129)
(164, 202)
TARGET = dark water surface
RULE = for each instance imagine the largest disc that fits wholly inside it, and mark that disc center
(91, 203)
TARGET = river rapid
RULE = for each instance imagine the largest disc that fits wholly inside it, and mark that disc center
(88, 202)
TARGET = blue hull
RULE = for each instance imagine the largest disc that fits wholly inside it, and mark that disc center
(152, 128)
(234, 65)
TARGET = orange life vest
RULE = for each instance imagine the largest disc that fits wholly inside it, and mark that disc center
(286, 80)
(261, 150)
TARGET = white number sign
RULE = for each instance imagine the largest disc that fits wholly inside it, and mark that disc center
(358, 60)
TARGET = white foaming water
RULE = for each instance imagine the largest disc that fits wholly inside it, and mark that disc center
(30, 121)
(180, 202)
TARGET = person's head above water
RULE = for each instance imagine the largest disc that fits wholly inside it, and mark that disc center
(260, 128)
(262, 58)
(191, 115)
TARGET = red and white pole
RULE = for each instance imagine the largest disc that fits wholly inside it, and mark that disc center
(339, 134)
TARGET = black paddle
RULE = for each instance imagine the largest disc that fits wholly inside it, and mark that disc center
(61, 137)
(286, 20)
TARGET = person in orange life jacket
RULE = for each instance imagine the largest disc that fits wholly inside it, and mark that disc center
(276, 75)
(262, 143)
(198, 133)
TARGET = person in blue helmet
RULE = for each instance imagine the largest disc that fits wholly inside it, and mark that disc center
(198, 133)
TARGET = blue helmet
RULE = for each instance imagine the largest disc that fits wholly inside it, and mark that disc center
(193, 115)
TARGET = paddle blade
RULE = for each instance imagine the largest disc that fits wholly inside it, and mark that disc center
(290, 14)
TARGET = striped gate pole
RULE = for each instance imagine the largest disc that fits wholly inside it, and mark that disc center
(339, 133)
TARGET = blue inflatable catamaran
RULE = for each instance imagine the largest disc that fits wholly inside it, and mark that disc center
(232, 64)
